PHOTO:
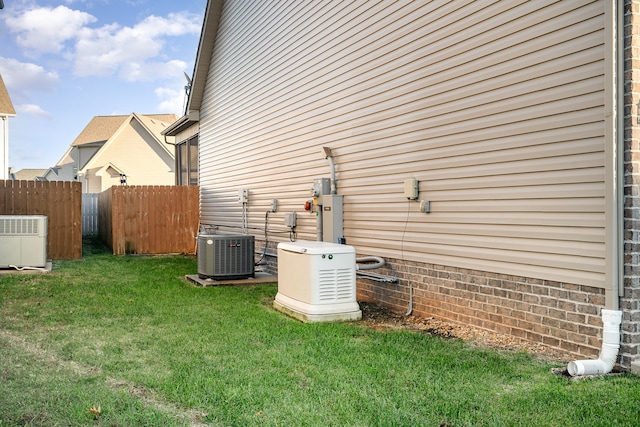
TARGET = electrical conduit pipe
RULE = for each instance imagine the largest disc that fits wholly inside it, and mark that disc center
(611, 320)
(379, 262)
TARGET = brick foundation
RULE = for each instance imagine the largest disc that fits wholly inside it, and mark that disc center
(558, 315)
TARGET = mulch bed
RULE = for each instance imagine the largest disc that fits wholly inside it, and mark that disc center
(380, 318)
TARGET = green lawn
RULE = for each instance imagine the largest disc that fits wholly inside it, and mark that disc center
(130, 337)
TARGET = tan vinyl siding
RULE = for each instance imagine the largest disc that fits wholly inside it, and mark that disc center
(497, 108)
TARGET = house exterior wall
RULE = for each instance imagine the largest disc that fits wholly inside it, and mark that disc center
(65, 172)
(92, 183)
(85, 153)
(67, 168)
(498, 109)
(73, 161)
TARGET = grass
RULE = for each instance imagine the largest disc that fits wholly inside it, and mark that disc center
(130, 337)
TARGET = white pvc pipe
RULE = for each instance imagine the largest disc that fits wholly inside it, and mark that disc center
(611, 320)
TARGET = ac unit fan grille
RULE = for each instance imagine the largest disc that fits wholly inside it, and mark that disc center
(226, 256)
(19, 226)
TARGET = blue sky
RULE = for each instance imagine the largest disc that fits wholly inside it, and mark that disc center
(64, 62)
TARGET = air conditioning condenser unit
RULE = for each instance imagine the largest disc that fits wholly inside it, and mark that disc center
(226, 256)
(23, 241)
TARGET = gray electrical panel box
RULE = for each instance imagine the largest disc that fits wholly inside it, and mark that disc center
(321, 186)
(243, 196)
(290, 219)
(411, 188)
(332, 218)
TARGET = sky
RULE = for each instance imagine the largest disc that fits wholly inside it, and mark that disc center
(64, 62)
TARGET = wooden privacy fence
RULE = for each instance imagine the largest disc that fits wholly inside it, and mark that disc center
(145, 219)
(61, 202)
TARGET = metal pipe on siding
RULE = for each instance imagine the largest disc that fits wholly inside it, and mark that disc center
(612, 318)
(329, 156)
(618, 19)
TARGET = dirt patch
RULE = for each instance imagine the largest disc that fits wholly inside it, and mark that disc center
(193, 417)
(150, 398)
(380, 318)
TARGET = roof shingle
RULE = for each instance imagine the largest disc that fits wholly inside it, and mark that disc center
(101, 128)
(6, 107)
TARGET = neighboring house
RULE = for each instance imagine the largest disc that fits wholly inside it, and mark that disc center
(29, 175)
(6, 111)
(513, 116)
(114, 150)
(51, 174)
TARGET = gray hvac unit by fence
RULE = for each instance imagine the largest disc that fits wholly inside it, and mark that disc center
(23, 241)
(226, 256)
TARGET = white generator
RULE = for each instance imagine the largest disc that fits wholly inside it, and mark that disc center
(317, 281)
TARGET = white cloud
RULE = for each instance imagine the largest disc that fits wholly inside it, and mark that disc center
(135, 71)
(34, 110)
(129, 51)
(22, 78)
(175, 24)
(45, 30)
(134, 53)
(172, 100)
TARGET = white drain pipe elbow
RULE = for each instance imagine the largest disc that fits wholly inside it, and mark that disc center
(611, 320)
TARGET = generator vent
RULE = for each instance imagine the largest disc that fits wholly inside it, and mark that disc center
(226, 256)
(23, 241)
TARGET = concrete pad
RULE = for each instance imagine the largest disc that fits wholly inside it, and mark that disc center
(259, 279)
(311, 318)
(28, 270)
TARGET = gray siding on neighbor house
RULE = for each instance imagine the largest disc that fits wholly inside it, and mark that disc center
(497, 108)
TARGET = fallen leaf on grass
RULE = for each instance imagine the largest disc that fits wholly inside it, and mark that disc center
(95, 411)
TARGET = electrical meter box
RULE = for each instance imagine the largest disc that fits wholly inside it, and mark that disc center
(317, 281)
